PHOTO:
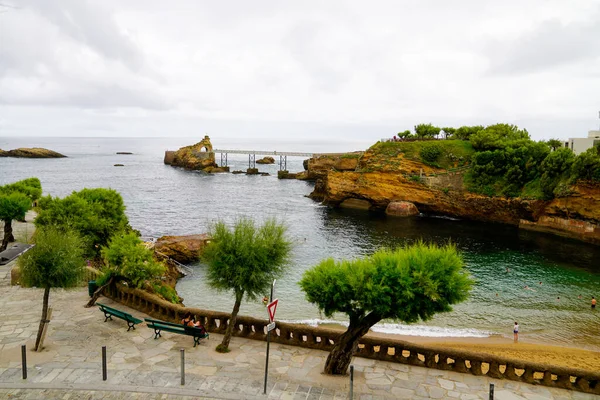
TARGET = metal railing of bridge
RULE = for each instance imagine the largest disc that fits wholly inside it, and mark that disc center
(265, 153)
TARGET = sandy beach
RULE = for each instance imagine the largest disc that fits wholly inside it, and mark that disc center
(542, 353)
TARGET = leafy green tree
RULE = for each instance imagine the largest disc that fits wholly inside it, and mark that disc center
(586, 166)
(96, 214)
(407, 284)
(15, 200)
(12, 206)
(31, 187)
(404, 135)
(426, 131)
(556, 165)
(554, 144)
(465, 132)
(499, 136)
(449, 132)
(127, 259)
(56, 261)
(245, 260)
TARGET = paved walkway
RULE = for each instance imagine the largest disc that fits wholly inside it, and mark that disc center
(140, 367)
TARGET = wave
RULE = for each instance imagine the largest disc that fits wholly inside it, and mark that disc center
(407, 330)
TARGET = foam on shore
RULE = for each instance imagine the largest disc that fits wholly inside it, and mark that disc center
(405, 330)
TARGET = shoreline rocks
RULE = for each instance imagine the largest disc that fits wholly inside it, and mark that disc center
(34, 152)
(401, 209)
(266, 160)
(184, 249)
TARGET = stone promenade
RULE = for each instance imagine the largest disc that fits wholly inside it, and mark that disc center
(140, 367)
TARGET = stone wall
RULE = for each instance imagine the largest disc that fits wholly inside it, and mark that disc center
(392, 350)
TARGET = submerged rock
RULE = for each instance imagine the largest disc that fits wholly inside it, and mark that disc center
(266, 160)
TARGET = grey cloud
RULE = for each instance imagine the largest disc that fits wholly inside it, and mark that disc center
(91, 25)
(549, 45)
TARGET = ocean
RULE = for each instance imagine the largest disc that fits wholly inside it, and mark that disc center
(163, 200)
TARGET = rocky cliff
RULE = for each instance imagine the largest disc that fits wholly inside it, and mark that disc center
(35, 152)
(198, 157)
(377, 182)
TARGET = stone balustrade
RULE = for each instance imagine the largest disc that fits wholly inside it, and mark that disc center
(392, 350)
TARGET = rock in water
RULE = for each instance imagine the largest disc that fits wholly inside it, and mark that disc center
(197, 157)
(124, 152)
(185, 249)
(266, 160)
(401, 209)
(119, 165)
(35, 152)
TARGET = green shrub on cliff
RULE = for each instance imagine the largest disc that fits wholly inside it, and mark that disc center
(430, 154)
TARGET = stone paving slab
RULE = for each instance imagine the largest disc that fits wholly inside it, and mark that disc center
(141, 367)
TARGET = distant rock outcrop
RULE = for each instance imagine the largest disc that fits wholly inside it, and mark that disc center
(196, 157)
(266, 160)
(124, 152)
(35, 152)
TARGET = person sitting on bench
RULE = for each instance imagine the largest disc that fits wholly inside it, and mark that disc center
(188, 320)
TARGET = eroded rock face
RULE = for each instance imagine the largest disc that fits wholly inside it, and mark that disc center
(576, 216)
(35, 152)
(357, 204)
(266, 160)
(196, 157)
(185, 249)
(401, 209)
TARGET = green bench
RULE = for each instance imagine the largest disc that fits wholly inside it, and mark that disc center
(110, 312)
(181, 329)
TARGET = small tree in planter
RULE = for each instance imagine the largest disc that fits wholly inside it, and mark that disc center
(56, 261)
(407, 284)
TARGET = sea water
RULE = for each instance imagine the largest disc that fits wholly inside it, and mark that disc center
(163, 200)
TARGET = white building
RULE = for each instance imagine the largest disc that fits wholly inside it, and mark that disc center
(579, 145)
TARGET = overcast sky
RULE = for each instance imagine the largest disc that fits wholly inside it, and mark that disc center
(354, 70)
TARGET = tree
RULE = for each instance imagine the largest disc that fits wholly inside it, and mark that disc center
(404, 135)
(12, 206)
(426, 131)
(55, 261)
(15, 200)
(245, 260)
(406, 284)
(586, 166)
(555, 166)
(554, 144)
(96, 214)
(449, 132)
(499, 136)
(127, 259)
(465, 132)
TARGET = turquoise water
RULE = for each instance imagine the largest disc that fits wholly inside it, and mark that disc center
(163, 200)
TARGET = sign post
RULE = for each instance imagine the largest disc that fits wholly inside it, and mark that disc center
(271, 308)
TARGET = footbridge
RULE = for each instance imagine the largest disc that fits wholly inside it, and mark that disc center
(283, 155)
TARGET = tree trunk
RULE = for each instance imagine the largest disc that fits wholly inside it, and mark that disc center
(224, 346)
(340, 356)
(44, 316)
(8, 234)
(98, 292)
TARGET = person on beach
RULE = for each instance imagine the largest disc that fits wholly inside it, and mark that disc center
(516, 332)
(593, 302)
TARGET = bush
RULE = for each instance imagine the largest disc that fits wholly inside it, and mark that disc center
(127, 257)
(586, 166)
(431, 153)
(166, 292)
